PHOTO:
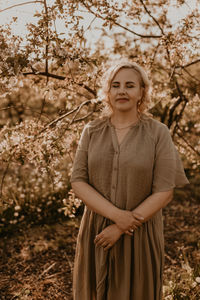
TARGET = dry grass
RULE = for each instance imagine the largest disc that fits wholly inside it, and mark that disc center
(37, 262)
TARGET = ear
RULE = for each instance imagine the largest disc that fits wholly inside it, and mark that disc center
(141, 93)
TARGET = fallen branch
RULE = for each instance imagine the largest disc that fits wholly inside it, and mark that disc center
(46, 270)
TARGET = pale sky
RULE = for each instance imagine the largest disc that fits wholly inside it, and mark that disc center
(25, 15)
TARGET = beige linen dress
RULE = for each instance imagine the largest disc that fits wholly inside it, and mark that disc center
(145, 162)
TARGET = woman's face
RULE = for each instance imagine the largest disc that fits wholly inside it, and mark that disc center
(125, 90)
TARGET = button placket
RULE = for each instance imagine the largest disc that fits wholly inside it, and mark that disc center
(114, 176)
(116, 154)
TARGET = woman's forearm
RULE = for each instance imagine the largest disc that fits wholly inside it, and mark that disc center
(124, 219)
(153, 204)
(95, 201)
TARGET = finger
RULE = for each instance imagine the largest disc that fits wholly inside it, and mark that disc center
(128, 232)
(99, 243)
(104, 244)
(134, 226)
(138, 216)
(136, 223)
(97, 238)
(107, 247)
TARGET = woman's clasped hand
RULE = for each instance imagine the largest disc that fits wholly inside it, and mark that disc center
(127, 222)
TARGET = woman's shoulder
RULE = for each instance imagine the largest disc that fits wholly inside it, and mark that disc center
(97, 124)
(154, 127)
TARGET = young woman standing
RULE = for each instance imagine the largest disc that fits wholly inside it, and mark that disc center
(125, 169)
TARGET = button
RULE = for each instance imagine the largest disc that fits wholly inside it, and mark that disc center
(113, 187)
(116, 152)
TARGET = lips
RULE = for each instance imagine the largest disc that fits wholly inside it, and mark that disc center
(122, 99)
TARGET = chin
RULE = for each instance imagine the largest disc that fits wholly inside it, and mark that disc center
(124, 110)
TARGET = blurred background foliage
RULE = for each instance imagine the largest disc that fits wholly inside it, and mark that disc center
(49, 90)
(49, 83)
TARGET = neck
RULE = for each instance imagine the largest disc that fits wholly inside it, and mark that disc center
(122, 119)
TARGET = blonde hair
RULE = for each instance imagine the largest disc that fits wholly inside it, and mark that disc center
(143, 104)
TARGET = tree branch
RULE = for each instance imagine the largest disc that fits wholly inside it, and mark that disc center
(25, 108)
(20, 4)
(153, 18)
(138, 34)
(45, 74)
(187, 143)
(47, 40)
(178, 118)
(119, 25)
(192, 76)
(52, 123)
(190, 64)
(4, 175)
(93, 92)
(176, 104)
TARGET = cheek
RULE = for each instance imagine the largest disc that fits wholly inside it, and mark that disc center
(111, 95)
(135, 93)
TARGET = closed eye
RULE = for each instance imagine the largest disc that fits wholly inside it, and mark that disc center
(128, 85)
(115, 85)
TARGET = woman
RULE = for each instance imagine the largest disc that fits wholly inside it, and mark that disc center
(125, 170)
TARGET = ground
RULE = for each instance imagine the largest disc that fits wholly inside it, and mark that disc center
(37, 262)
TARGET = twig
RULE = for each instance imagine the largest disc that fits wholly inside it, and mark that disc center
(172, 109)
(47, 40)
(178, 118)
(63, 116)
(171, 259)
(187, 143)
(60, 78)
(154, 54)
(4, 175)
(78, 110)
(46, 270)
(180, 99)
(138, 34)
(68, 294)
(42, 108)
(45, 74)
(55, 274)
(190, 64)
(25, 108)
(118, 24)
(70, 263)
(83, 118)
(87, 88)
(153, 18)
(20, 4)
(192, 76)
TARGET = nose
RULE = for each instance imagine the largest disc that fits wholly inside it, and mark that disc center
(121, 90)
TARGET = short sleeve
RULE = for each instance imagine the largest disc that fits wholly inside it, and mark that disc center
(168, 170)
(80, 165)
